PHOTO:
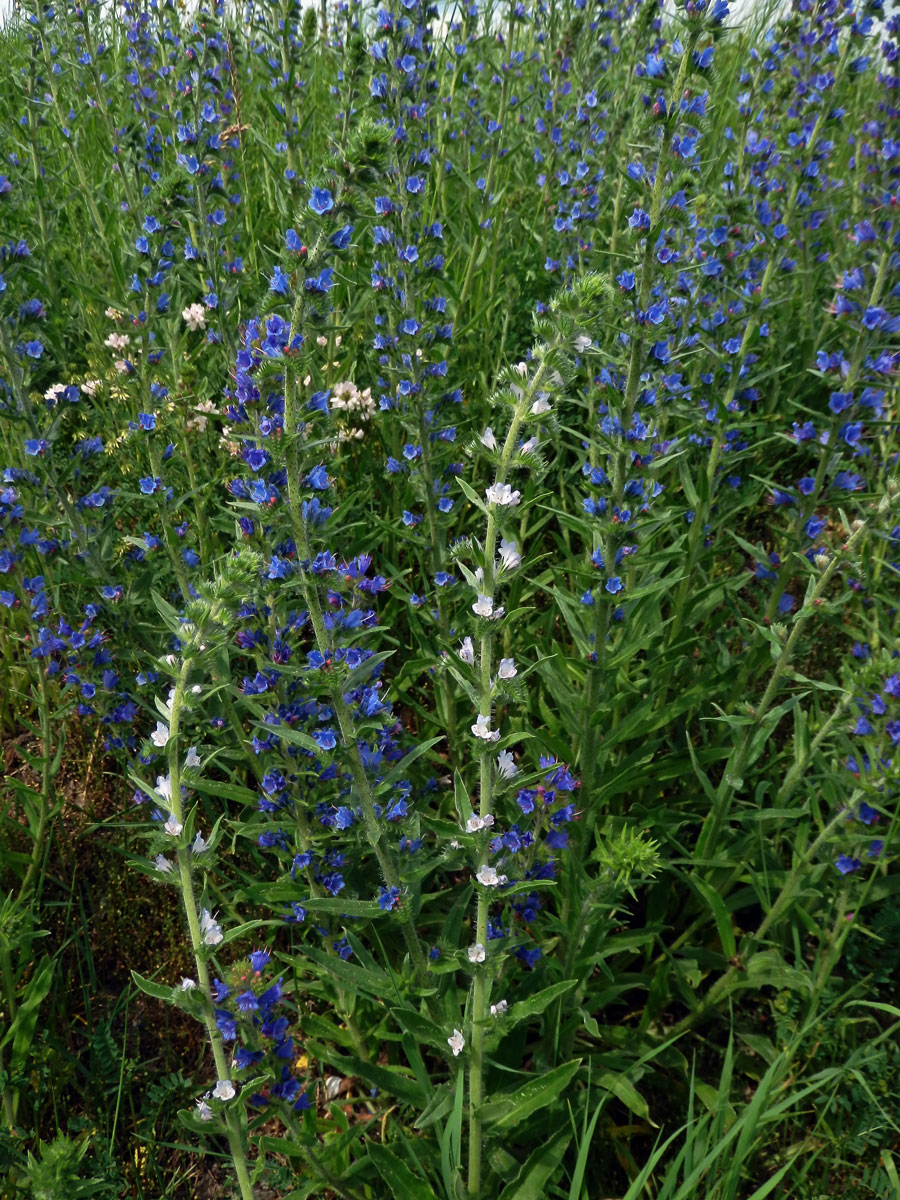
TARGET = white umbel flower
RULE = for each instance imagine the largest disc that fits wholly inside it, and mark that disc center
(194, 316)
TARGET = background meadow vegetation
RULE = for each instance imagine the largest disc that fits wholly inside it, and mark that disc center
(449, 544)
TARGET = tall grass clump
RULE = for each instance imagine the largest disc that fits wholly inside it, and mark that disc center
(449, 528)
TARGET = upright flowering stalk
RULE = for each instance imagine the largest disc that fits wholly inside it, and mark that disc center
(206, 618)
(277, 365)
(526, 391)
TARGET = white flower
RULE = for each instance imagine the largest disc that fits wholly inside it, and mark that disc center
(224, 1090)
(509, 555)
(522, 368)
(193, 758)
(199, 844)
(204, 1112)
(482, 729)
(488, 439)
(581, 343)
(488, 877)
(187, 984)
(122, 366)
(117, 341)
(475, 822)
(164, 787)
(173, 825)
(211, 930)
(457, 1042)
(195, 317)
(500, 1007)
(541, 405)
(467, 651)
(163, 864)
(89, 387)
(507, 669)
(160, 735)
(483, 606)
(528, 446)
(502, 493)
(506, 765)
(52, 394)
(476, 953)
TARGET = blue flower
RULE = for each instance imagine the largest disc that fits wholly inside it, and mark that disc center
(847, 865)
(321, 201)
(279, 282)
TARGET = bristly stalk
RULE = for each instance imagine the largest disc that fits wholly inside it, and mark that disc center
(186, 886)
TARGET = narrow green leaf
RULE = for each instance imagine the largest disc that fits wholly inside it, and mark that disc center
(523, 1009)
(397, 1175)
(159, 991)
(531, 1181)
(538, 1093)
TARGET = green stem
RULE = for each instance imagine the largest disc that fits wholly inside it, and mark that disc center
(732, 775)
(186, 884)
(481, 983)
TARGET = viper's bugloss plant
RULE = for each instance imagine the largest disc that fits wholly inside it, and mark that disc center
(449, 552)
